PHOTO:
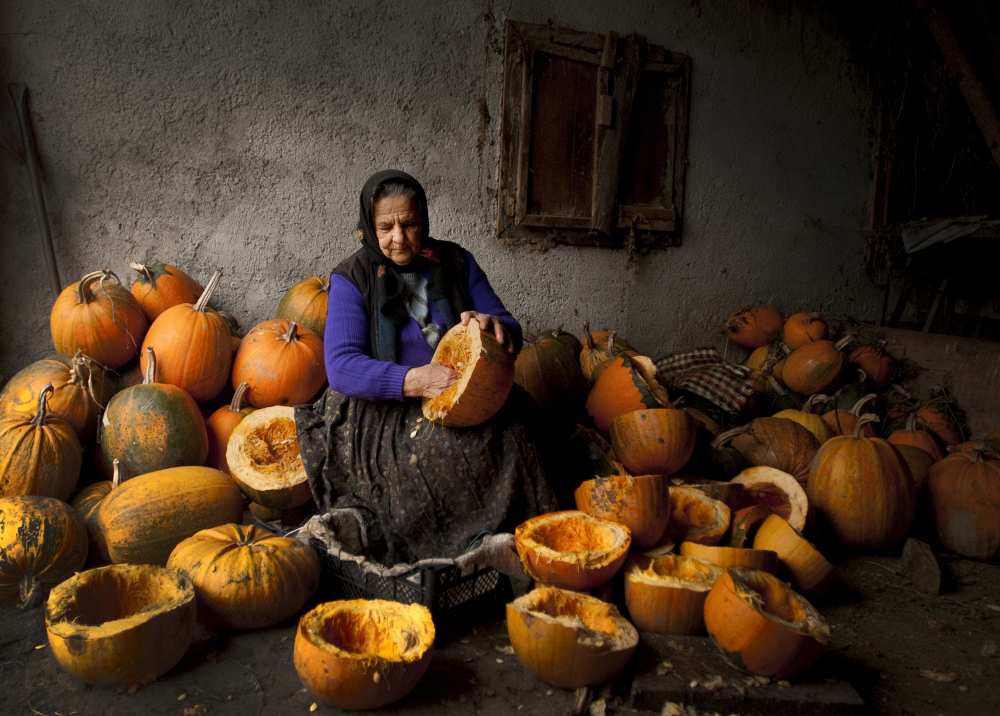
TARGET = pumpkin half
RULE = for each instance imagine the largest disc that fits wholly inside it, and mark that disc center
(640, 502)
(811, 573)
(264, 459)
(666, 594)
(776, 490)
(696, 517)
(569, 639)
(121, 625)
(571, 549)
(627, 383)
(485, 371)
(363, 653)
(725, 557)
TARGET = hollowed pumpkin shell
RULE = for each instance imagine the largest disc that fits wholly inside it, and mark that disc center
(654, 442)
(306, 304)
(810, 571)
(567, 639)
(696, 517)
(666, 594)
(363, 653)
(121, 625)
(142, 520)
(571, 549)
(246, 577)
(965, 499)
(725, 557)
(627, 383)
(765, 627)
(485, 376)
(42, 542)
(774, 489)
(639, 502)
(264, 459)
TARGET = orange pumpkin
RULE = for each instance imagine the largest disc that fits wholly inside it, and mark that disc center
(863, 489)
(599, 347)
(282, 363)
(843, 422)
(778, 443)
(813, 367)
(73, 392)
(160, 286)
(220, 426)
(42, 542)
(964, 493)
(627, 383)
(916, 437)
(762, 625)
(639, 502)
(768, 365)
(246, 577)
(193, 346)
(937, 421)
(87, 502)
(548, 367)
(305, 303)
(754, 327)
(666, 593)
(363, 653)
(879, 366)
(656, 441)
(99, 318)
(39, 455)
(802, 328)
(571, 549)
(809, 419)
(152, 426)
(567, 639)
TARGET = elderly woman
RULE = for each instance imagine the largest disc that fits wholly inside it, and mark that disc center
(417, 490)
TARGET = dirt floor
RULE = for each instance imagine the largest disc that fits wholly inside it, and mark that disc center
(896, 649)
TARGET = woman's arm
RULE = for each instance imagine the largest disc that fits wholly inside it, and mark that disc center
(349, 369)
(485, 300)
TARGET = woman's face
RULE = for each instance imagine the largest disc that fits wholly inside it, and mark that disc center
(398, 228)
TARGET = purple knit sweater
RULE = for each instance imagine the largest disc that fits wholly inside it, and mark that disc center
(349, 368)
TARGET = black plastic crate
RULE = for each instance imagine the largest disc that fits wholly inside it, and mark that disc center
(447, 592)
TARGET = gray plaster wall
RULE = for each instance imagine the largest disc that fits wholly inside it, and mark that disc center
(236, 135)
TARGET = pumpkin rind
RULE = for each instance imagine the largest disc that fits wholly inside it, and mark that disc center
(658, 441)
(363, 653)
(567, 639)
(666, 594)
(485, 371)
(143, 519)
(625, 384)
(264, 459)
(246, 577)
(727, 557)
(640, 502)
(696, 517)
(548, 367)
(802, 328)
(306, 304)
(121, 625)
(774, 442)
(813, 367)
(780, 492)
(108, 324)
(964, 493)
(71, 399)
(220, 425)
(282, 363)
(811, 573)
(160, 286)
(42, 542)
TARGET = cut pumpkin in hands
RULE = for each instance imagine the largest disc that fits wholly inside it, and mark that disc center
(264, 459)
(485, 375)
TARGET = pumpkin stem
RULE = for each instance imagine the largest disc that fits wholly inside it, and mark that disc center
(202, 304)
(116, 473)
(150, 375)
(42, 413)
(863, 421)
(290, 335)
(813, 401)
(83, 294)
(856, 408)
(587, 335)
(724, 437)
(29, 592)
(236, 404)
(611, 342)
(144, 271)
(844, 342)
(776, 386)
(911, 422)
(324, 283)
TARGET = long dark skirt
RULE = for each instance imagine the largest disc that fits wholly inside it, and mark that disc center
(422, 490)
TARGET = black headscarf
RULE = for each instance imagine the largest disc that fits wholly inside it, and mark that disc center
(447, 291)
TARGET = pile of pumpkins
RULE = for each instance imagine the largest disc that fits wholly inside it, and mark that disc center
(697, 526)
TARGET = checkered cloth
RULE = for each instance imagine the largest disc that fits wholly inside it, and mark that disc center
(704, 373)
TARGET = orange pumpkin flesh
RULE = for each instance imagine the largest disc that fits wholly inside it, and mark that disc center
(639, 502)
(246, 577)
(778, 491)
(802, 328)
(627, 383)
(121, 625)
(811, 573)
(725, 557)
(193, 346)
(306, 304)
(696, 517)
(654, 442)
(567, 639)
(160, 286)
(264, 459)
(765, 627)
(666, 594)
(571, 549)
(485, 373)
(363, 654)
(220, 425)
(42, 542)
(282, 362)
(964, 493)
(99, 318)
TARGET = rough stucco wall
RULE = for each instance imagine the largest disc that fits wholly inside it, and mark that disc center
(236, 136)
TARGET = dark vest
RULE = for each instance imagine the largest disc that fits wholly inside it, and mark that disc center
(387, 312)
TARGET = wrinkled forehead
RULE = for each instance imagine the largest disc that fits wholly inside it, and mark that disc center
(395, 205)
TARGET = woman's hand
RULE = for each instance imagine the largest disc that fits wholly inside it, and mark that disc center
(428, 381)
(489, 323)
